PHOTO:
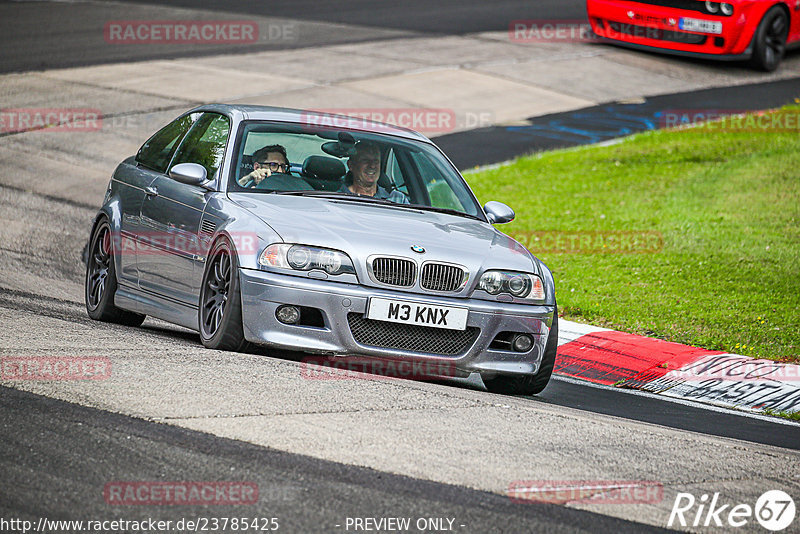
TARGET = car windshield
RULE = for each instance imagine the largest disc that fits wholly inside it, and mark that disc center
(352, 165)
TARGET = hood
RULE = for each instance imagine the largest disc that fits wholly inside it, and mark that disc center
(362, 230)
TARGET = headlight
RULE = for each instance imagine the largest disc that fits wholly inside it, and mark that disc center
(727, 9)
(491, 282)
(305, 258)
(712, 7)
(519, 285)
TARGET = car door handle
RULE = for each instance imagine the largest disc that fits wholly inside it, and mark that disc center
(151, 191)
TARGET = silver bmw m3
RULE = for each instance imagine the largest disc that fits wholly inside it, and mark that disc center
(323, 234)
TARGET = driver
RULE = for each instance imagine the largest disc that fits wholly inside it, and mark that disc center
(365, 169)
(266, 160)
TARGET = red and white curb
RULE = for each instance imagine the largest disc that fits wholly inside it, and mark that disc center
(609, 357)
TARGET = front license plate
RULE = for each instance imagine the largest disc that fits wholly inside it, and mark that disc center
(701, 26)
(417, 313)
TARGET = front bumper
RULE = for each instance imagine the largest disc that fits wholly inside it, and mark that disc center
(647, 26)
(262, 293)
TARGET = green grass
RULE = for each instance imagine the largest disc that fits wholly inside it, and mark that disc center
(794, 416)
(727, 206)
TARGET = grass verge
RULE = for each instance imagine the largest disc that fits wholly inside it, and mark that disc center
(792, 416)
(691, 236)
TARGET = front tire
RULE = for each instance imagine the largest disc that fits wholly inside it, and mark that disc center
(770, 40)
(101, 280)
(529, 384)
(220, 314)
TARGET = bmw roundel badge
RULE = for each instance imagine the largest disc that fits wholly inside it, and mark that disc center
(418, 249)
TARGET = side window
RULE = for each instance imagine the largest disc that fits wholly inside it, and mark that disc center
(440, 192)
(205, 143)
(158, 150)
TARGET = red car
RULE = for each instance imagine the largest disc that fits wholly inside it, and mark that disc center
(758, 30)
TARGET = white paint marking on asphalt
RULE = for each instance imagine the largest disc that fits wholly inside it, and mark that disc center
(684, 402)
(569, 331)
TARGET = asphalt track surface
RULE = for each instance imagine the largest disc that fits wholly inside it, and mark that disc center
(44, 35)
(625, 404)
(55, 456)
(605, 122)
(443, 17)
(305, 495)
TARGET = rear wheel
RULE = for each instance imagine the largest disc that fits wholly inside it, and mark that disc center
(529, 384)
(101, 280)
(770, 40)
(220, 314)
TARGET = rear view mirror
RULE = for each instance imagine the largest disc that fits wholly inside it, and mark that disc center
(188, 173)
(498, 213)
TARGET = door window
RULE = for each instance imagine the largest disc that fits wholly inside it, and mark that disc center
(205, 143)
(158, 150)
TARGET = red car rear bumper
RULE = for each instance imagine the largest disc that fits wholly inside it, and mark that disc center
(645, 25)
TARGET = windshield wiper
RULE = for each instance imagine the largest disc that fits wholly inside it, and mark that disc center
(448, 211)
(336, 195)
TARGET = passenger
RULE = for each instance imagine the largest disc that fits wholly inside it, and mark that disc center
(266, 160)
(365, 170)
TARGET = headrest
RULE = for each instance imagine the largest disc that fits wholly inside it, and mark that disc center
(246, 165)
(323, 168)
(385, 182)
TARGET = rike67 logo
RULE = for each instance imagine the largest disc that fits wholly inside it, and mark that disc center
(774, 510)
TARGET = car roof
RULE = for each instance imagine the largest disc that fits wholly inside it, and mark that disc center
(271, 113)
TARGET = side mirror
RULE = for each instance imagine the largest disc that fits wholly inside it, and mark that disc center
(188, 173)
(498, 213)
